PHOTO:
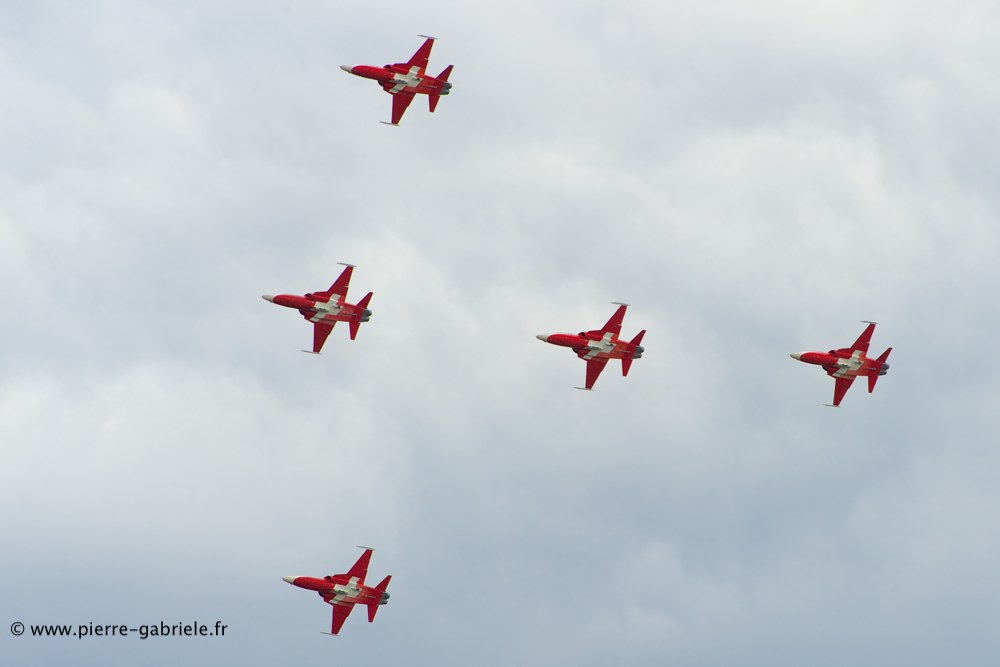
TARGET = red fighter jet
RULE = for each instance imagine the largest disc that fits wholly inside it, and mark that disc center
(324, 309)
(404, 80)
(343, 591)
(848, 363)
(597, 346)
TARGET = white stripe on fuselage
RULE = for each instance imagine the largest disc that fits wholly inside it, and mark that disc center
(848, 366)
(598, 346)
(324, 308)
(344, 591)
(411, 79)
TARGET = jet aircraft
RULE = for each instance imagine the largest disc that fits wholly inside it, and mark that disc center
(404, 80)
(343, 591)
(324, 309)
(847, 363)
(596, 347)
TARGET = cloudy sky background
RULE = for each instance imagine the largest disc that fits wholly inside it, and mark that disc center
(754, 178)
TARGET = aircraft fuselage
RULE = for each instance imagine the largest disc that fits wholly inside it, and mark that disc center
(340, 589)
(590, 344)
(317, 309)
(394, 78)
(842, 363)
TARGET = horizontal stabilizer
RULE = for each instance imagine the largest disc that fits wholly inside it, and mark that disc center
(638, 338)
(432, 102)
(445, 73)
(885, 355)
(626, 364)
(872, 379)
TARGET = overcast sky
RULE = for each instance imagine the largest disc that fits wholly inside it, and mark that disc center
(755, 178)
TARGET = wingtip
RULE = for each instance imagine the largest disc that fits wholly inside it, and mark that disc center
(427, 37)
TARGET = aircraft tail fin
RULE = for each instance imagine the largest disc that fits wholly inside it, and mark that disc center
(355, 325)
(872, 379)
(432, 101)
(627, 361)
(373, 606)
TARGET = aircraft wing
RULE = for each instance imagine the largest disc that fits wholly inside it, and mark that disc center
(360, 569)
(340, 285)
(340, 614)
(594, 368)
(839, 389)
(614, 325)
(321, 331)
(861, 344)
(400, 101)
(422, 56)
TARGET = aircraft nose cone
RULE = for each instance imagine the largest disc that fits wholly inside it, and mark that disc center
(267, 297)
(543, 338)
(797, 356)
(347, 68)
(290, 580)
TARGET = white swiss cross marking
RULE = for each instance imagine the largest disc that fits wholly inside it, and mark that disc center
(598, 346)
(411, 79)
(848, 366)
(324, 308)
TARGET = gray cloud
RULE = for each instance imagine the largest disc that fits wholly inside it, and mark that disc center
(753, 179)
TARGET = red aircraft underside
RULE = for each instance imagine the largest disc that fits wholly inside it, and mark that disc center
(324, 309)
(343, 591)
(847, 363)
(598, 346)
(405, 80)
